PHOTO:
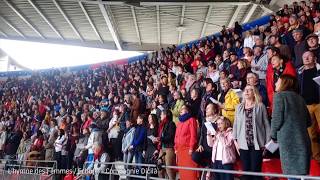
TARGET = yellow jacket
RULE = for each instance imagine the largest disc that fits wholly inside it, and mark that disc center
(231, 100)
(176, 110)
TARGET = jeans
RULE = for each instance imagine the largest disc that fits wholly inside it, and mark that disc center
(57, 157)
(90, 160)
(251, 161)
(138, 160)
(223, 176)
(293, 179)
(127, 158)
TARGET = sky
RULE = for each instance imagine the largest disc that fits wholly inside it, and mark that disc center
(42, 55)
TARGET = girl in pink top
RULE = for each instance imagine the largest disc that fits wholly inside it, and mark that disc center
(223, 148)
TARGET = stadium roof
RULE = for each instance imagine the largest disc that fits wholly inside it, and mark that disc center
(123, 25)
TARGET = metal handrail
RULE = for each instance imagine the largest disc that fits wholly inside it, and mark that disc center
(302, 177)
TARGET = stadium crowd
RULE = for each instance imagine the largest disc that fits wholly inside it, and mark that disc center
(207, 105)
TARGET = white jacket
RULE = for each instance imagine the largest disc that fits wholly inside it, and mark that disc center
(95, 136)
(249, 42)
(59, 143)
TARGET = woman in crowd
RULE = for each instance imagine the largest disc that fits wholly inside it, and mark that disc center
(3, 137)
(251, 130)
(163, 105)
(127, 141)
(280, 65)
(228, 99)
(73, 139)
(204, 152)
(49, 143)
(194, 103)
(185, 142)
(24, 146)
(224, 153)
(139, 140)
(95, 136)
(58, 145)
(178, 103)
(113, 133)
(80, 152)
(65, 151)
(100, 160)
(152, 143)
(166, 134)
(38, 142)
(290, 120)
(152, 152)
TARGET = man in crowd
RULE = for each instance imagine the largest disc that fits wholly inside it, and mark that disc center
(309, 90)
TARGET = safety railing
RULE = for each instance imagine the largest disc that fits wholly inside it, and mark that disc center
(111, 170)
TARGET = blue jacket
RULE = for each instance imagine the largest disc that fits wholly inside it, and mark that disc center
(140, 137)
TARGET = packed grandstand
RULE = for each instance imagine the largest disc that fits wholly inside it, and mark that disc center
(239, 100)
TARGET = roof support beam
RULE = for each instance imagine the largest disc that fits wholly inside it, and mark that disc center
(67, 19)
(136, 24)
(158, 25)
(234, 16)
(272, 2)
(181, 22)
(250, 13)
(90, 21)
(110, 25)
(206, 20)
(165, 2)
(24, 19)
(3, 34)
(45, 19)
(12, 27)
(208, 3)
(265, 9)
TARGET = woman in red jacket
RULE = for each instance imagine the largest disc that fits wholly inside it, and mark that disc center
(279, 65)
(185, 142)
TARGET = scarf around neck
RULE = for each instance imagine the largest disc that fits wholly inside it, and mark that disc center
(161, 126)
(184, 117)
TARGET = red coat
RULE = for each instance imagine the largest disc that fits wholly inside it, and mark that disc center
(186, 134)
(86, 124)
(289, 69)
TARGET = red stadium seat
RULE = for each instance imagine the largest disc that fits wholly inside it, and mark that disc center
(314, 168)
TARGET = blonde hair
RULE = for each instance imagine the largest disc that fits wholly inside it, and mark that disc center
(226, 122)
(243, 63)
(256, 94)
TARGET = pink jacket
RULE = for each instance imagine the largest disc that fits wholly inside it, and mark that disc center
(229, 154)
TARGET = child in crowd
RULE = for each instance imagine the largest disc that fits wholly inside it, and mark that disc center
(223, 149)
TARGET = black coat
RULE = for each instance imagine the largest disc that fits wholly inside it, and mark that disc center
(12, 143)
(168, 134)
(195, 107)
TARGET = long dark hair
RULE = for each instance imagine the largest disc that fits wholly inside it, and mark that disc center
(154, 121)
(61, 133)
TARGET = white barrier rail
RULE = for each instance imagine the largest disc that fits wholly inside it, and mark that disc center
(146, 175)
